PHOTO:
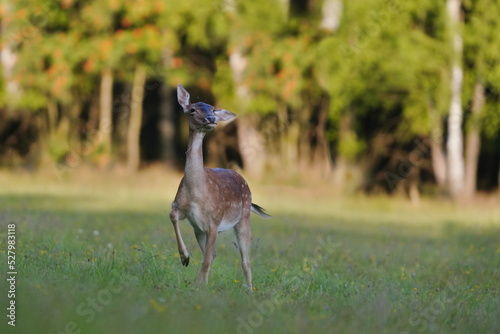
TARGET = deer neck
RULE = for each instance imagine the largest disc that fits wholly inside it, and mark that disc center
(194, 172)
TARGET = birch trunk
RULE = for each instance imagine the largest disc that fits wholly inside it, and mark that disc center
(8, 57)
(250, 142)
(331, 15)
(135, 120)
(331, 12)
(454, 145)
(473, 142)
(238, 63)
(251, 146)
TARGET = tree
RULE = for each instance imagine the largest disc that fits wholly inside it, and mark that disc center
(97, 22)
(482, 61)
(135, 119)
(8, 57)
(49, 78)
(454, 144)
(233, 85)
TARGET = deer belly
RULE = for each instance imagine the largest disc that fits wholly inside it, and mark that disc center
(199, 221)
(226, 224)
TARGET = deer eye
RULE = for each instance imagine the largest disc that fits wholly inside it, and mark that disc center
(192, 110)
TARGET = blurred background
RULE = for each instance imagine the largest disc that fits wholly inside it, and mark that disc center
(373, 96)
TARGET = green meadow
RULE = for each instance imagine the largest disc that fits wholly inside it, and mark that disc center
(98, 255)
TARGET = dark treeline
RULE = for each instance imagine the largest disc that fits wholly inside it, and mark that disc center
(379, 95)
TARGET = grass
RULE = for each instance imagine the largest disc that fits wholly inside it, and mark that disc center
(98, 255)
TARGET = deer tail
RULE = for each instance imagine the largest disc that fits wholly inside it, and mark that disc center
(260, 211)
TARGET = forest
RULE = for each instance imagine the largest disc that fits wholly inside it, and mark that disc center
(377, 96)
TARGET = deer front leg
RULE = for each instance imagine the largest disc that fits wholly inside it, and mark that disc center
(183, 252)
(208, 254)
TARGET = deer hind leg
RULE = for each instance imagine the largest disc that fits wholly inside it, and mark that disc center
(244, 236)
(201, 237)
(175, 216)
(208, 250)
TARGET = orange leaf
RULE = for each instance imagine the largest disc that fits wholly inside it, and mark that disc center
(126, 22)
(159, 7)
(51, 70)
(89, 65)
(58, 85)
(106, 46)
(131, 48)
(176, 62)
(21, 13)
(66, 3)
(204, 83)
(57, 53)
(288, 89)
(137, 33)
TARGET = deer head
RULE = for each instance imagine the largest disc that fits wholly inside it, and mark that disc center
(202, 117)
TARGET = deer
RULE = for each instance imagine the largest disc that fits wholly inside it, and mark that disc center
(212, 200)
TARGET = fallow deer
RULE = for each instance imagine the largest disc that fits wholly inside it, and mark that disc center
(213, 200)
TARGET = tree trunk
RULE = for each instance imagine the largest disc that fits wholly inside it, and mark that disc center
(166, 126)
(438, 160)
(251, 146)
(288, 139)
(106, 109)
(135, 120)
(331, 12)
(8, 56)
(321, 156)
(48, 127)
(52, 115)
(289, 147)
(438, 156)
(331, 15)
(238, 63)
(341, 163)
(74, 129)
(473, 142)
(454, 145)
(413, 192)
(166, 119)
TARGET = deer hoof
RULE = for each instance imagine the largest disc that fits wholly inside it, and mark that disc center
(185, 262)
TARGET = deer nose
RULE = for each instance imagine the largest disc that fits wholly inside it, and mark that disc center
(211, 119)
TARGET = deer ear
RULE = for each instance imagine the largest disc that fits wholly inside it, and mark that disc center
(183, 97)
(223, 114)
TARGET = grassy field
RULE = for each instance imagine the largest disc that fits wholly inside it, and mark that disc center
(98, 255)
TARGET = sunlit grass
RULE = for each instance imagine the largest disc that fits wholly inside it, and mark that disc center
(99, 255)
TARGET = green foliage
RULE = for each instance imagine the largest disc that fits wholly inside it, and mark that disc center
(351, 145)
(223, 86)
(387, 63)
(276, 74)
(259, 17)
(372, 67)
